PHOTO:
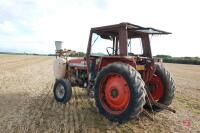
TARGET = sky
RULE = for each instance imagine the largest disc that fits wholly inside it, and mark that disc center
(34, 25)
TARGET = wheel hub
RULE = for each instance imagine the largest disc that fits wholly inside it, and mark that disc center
(156, 88)
(151, 87)
(60, 91)
(114, 93)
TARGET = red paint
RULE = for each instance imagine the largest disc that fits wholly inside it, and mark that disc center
(111, 59)
(114, 104)
(78, 63)
(158, 87)
(77, 60)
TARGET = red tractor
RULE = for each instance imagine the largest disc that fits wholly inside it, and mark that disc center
(120, 70)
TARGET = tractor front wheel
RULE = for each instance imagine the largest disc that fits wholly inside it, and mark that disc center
(119, 92)
(62, 90)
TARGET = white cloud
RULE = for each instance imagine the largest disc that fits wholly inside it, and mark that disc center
(70, 21)
(7, 27)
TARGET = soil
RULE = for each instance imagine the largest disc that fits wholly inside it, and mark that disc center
(27, 103)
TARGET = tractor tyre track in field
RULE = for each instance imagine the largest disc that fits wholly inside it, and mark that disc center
(28, 105)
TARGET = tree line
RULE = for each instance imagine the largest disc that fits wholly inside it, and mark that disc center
(180, 60)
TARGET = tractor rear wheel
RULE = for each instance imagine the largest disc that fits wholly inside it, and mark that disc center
(161, 87)
(62, 90)
(119, 92)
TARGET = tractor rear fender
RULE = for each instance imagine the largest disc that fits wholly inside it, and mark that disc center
(146, 69)
(104, 61)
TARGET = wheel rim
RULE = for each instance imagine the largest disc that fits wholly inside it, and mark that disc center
(60, 91)
(114, 93)
(85, 85)
(156, 87)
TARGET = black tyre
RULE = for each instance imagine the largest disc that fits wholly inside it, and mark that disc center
(119, 92)
(161, 87)
(62, 90)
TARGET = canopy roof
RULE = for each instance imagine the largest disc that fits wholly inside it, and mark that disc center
(113, 29)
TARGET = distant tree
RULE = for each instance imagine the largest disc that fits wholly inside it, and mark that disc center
(77, 54)
(181, 60)
(163, 56)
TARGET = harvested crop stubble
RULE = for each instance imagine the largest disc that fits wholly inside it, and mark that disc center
(27, 103)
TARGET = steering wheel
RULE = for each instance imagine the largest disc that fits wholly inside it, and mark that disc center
(108, 50)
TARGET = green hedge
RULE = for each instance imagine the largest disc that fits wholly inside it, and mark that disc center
(181, 60)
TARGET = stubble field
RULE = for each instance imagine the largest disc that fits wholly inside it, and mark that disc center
(27, 103)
